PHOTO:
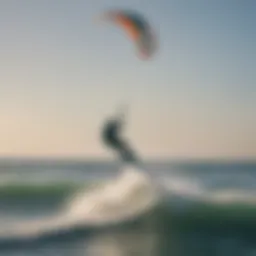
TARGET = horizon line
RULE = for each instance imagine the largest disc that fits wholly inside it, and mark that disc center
(113, 160)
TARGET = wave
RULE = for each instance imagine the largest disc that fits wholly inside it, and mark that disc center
(195, 191)
(28, 190)
(176, 187)
(131, 196)
(128, 196)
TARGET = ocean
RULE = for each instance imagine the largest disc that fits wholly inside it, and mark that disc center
(75, 208)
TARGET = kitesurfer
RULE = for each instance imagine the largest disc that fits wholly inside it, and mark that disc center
(111, 135)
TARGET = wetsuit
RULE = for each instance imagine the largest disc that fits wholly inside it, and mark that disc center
(111, 138)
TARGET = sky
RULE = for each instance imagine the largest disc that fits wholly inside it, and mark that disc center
(63, 73)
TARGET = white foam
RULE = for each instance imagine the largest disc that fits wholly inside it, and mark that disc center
(183, 187)
(130, 194)
(233, 196)
(193, 189)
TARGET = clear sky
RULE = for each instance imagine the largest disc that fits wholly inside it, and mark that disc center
(62, 73)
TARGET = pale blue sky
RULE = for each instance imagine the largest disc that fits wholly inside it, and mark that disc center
(62, 73)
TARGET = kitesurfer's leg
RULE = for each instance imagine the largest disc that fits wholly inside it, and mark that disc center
(125, 152)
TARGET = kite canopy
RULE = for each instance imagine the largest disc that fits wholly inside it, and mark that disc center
(137, 29)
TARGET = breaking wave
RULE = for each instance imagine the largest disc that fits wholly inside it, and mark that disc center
(131, 195)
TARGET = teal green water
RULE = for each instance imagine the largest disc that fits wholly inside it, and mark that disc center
(208, 209)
